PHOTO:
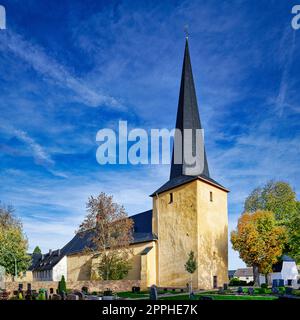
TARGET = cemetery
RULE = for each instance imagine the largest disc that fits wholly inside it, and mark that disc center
(277, 291)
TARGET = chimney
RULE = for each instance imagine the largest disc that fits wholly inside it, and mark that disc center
(50, 251)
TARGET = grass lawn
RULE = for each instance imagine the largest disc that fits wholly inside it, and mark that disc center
(221, 297)
(129, 294)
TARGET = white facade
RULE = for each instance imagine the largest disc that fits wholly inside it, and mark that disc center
(247, 279)
(60, 269)
(54, 274)
(288, 273)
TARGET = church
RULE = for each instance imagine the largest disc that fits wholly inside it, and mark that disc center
(189, 213)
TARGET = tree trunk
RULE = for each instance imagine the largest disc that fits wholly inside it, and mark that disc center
(266, 279)
(256, 275)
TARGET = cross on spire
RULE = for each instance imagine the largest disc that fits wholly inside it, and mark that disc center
(186, 31)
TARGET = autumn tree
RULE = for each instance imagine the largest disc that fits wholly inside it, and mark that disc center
(259, 241)
(280, 198)
(112, 235)
(13, 243)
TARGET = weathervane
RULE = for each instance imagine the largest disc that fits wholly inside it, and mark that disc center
(186, 31)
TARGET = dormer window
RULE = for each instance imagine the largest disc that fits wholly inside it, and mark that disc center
(171, 198)
(211, 196)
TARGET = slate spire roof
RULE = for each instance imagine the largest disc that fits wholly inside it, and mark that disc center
(187, 118)
(187, 114)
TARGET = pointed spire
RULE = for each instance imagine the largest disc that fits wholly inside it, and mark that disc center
(187, 115)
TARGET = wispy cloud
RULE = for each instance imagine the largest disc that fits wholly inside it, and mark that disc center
(35, 150)
(48, 67)
(39, 154)
(287, 48)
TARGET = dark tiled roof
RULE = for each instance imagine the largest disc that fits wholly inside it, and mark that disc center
(180, 180)
(142, 233)
(244, 272)
(287, 258)
(231, 273)
(84, 240)
(35, 258)
(146, 250)
(277, 267)
(48, 261)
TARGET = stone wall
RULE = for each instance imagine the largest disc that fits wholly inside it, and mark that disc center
(99, 286)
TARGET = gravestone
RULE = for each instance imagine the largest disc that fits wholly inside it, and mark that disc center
(275, 290)
(136, 289)
(205, 298)
(240, 290)
(288, 290)
(79, 294)
(72, 296)
(192, 296)
(2, 277)
(153, 293)
(56, 297)
(281, 283)
(93, 298)
(275, 283)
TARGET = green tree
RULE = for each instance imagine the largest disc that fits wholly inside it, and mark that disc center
(113, 234)
(62, 286)
(279, 197)
(13, 243)
(259, 241)
(37, 250)
(294, 235)
(113, 267)
(190, 267)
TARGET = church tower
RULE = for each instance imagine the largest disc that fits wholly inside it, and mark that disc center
(190, 210)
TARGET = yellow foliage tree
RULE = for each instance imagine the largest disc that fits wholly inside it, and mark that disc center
(259, 241)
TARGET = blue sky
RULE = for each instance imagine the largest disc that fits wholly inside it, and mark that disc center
(70, 68)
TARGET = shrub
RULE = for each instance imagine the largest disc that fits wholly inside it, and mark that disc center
(62, 287)
(85, 290)
(296, 292)
(108, 292)
(264, 286)
(235, 282)
(281, 290)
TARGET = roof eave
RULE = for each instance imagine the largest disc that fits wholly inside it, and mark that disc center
(186, 182)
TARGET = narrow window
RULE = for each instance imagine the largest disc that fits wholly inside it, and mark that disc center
(171, 198)
(215, 282)
(211, 196)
